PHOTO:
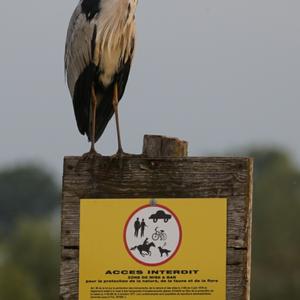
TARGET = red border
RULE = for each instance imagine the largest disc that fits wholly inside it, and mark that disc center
(179, 242)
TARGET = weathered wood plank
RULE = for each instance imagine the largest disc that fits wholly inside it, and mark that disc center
(160, 146)
(144, 177)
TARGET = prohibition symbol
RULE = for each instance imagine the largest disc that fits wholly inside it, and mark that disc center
(152, 235)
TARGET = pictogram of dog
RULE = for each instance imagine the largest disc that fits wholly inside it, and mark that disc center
(163, 251)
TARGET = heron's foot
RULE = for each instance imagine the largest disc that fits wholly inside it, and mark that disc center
(121, 154)
(92, 154)
(88, 157)
(119, 157)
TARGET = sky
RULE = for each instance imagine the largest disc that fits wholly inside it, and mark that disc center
(220, 74)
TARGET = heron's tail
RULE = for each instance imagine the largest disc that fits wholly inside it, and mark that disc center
(82, 102)
(105, 108)
(104, 111)
(82, 98)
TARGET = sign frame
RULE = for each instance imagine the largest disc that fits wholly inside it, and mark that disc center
(138, 177)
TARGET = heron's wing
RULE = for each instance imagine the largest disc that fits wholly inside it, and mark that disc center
(79, 67)
(79, 46)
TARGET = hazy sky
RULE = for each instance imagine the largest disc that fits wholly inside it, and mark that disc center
(220, 74)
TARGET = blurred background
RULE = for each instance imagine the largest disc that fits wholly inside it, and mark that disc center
(223, 75)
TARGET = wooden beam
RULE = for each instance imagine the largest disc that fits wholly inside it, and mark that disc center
(156, 174)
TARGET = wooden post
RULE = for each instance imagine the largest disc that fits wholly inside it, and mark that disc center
(160, 146)
(162, 171)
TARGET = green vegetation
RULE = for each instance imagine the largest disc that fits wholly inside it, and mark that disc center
(29, 240)
(29, 245)
(26, 191)
(276, 227)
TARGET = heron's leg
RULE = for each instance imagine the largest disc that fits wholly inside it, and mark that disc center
(92, 153)
(94, 108)
(115, 106)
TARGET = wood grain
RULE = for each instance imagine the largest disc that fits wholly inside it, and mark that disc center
(161, 177)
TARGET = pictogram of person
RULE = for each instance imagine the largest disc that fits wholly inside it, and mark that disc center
(137, 225)
(143, 225)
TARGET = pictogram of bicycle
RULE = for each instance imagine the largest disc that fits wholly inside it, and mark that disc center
(159, 234)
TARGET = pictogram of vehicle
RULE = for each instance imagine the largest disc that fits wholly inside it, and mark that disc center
(160, 215)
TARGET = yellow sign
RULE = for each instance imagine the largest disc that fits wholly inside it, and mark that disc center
(130, 249)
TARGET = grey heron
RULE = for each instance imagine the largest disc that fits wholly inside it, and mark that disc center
(98, 54)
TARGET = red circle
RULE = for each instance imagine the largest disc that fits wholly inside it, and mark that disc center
(178, 245)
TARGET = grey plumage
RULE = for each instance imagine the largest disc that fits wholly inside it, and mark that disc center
(98, 54)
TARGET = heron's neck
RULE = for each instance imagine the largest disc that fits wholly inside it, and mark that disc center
(116, 21)
(117, 12)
